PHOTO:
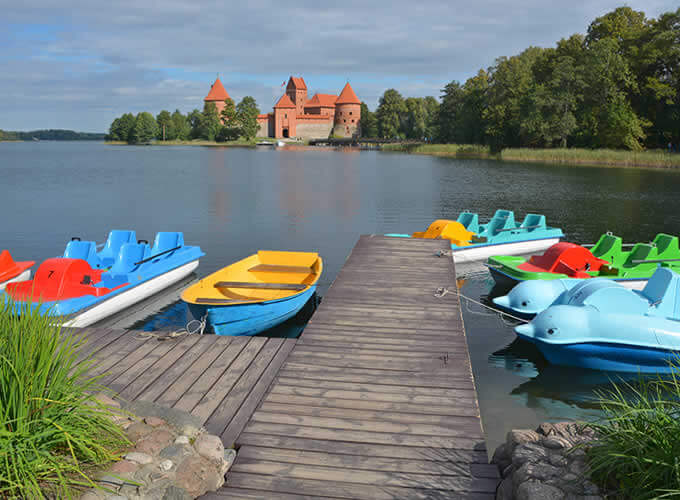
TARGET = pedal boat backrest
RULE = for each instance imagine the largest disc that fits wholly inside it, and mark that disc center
(86, 250)
(666, 246)
(502, 219)
(446, 229)
(469, 220)
(609, 248)
(566, 258)
(533, 222)
(128, 258)
(663, 292)
(117, 238)
(641, 251)
(166, 240)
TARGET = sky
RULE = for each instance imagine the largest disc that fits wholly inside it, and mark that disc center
(78, 64)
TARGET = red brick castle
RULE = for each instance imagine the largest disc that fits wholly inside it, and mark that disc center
(295, 115)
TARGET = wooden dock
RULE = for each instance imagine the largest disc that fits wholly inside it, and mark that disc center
(374, 401)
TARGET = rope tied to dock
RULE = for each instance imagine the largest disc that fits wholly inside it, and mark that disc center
(188, 330)
(442, 291)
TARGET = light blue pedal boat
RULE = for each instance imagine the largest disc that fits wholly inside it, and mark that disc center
(256, 293)
(602, 325)
(472, 241)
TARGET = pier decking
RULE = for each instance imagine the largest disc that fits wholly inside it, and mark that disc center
(374, 401)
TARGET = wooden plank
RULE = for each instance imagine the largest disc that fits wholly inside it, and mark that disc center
(109, 357)
(384, 362)
(250, 494)
(223, 384)
(190, 376)
(339, 489)
(163, 363)
(450, 483)
(99, 339)
(223, 413)
(331, 351)
(273, 286)
(391, 464)
(277, 268)
(178, 367)
(247, 439)
(382, 388)
(119, 383)
(240, 419)
(332, 341)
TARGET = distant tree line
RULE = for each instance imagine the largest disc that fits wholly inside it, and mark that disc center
(616, 87)
(234, 122)
(50, 135)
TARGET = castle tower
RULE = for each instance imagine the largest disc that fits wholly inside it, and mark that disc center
(347, 113)
(218, 95)
(285, 118)
(297, 91)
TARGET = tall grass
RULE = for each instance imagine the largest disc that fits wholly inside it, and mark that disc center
(52, 430)
(637, 453)
(597, 157)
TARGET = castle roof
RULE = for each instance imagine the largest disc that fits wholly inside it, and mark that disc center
(217, 92)
(284, 102)
(347, 96)
(322, 101)
(297, 82)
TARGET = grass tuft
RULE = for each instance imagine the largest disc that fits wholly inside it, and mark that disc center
(637, 453)
(53, 432)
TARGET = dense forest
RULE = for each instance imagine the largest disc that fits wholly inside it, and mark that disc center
(617, 86)
(235, 121)
(50, 135)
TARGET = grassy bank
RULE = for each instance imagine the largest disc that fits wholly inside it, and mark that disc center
(197, 142)
(592, 157)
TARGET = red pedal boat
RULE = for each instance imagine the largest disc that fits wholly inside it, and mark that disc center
(11, 270)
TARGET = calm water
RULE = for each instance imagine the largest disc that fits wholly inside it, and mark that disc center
(233, 202)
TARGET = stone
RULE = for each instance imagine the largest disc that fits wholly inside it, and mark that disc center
(166, 465)
(190, 430)
(123, 467)
(197, 476)
(176, 452)
(139, 458)
(210, 446)
(556, 442)
(529, 452)
(557, 460)
(175, 493)
(117, 497)
(504, 490)
(154, 421)
(532, 490)
(501, 457)
(137, 430)
(229, 457)
(110, 482)
(538, 471)
(519, 436)
(92, 495)
(130, 490)
(182, 440)
(154, 441)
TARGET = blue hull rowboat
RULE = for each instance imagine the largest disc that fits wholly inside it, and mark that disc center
(256, 293)
(471, 241)
(605, 326)
(85, 286)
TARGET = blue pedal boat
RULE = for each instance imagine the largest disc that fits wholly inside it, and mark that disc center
(472, 241)
(256, 293)
(85, 286)
(605, 326)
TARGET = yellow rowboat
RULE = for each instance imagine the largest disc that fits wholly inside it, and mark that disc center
(256, 293)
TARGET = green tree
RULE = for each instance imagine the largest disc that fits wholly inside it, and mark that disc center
(246, 117)
(369, 125)
(449, 112)
(194, 119)
(122, 127)
(431, 106)
(414, 121)
(389, 114)
(209, 122)
(180, 126)
(165, 126)
(144, 130)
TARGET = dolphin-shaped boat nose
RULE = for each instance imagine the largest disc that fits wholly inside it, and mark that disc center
(527, 330)
(503, 301)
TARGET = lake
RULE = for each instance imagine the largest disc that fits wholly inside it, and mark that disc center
(234, 201)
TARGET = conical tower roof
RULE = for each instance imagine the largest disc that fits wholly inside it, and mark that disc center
(217, 92)
(284, 102)
(347, 96)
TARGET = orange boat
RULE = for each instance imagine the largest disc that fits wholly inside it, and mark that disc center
(11, 270)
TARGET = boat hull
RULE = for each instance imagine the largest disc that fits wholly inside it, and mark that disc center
(24, 276)
(482, 252)
(608, 356)
(120, 301)
(251, 319)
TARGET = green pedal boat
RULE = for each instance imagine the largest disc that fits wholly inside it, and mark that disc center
(606, 259)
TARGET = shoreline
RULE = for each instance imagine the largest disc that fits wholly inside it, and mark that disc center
(576, 157)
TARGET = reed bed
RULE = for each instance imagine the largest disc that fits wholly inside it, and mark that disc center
(637, 453)
(53, 432)
(596, 157)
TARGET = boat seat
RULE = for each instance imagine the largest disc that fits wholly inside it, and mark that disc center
(117, 238)
(271, 286)
(278, 268)
(207, 300)
(129, 257)
(85, 250)
(666, 246)
(662, 292)
(641, 251)
(533, 222)
(502, 219)
(470, 221)
(609, 248)
(166, 240)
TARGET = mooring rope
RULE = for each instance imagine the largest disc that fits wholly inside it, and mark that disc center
(442, 291)
(188, 330)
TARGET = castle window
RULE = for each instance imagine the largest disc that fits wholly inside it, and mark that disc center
(344, 121)
(350, 112)
(352, 119)
(285, 115)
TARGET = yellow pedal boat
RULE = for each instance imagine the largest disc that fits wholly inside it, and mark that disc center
(256, 293)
